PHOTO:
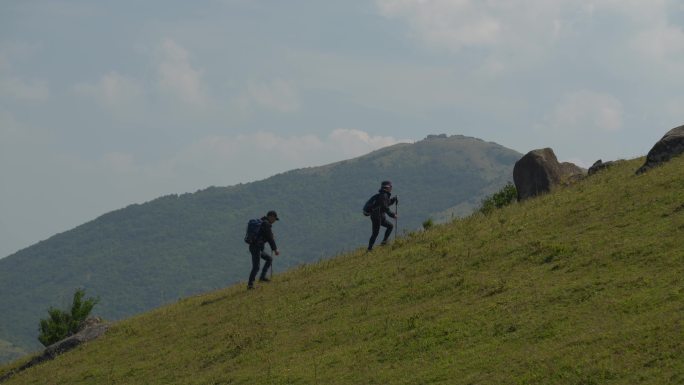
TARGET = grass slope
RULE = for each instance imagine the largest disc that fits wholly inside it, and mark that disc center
(143, 256)
(582, 286)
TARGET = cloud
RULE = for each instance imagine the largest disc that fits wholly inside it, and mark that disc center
(177, 77)
(458, 24)
(454, 24)
(118, 178)
(278, 95)
(8, 126)
(19, 89)
(351, 143)
(663, 42)
(517, 28)
(114, 91)
(674, 108)
(19, 141)
(396, 86)
(581, 127)
(587, 111)
(221, 160)
(118, 162)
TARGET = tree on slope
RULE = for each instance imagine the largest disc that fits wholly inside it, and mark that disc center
(61, 324)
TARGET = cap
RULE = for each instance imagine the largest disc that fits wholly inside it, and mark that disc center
(273, 214)
(386, 183)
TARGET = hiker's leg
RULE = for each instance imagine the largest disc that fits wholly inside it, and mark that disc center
(256, 253)
(267, 265)
(376, 230)
(389, 227)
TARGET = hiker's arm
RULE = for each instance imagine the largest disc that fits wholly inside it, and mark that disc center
(271, 242)
(386, 207)
(394, 201)
(270, 239)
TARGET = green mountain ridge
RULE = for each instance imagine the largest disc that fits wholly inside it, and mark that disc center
(584, 285)
(9, 352)
(149, 254)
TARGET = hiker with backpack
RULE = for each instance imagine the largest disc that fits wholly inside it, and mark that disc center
(376, 208)
(258, 234)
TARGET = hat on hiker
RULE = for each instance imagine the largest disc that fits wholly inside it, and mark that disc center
(273, 214)
(386, 184)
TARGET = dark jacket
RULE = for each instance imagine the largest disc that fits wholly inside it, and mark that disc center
(266, 235)
(383, 203)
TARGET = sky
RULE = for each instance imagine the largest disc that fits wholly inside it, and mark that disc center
(108, 103)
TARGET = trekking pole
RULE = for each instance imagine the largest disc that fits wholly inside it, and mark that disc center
(396, 219)
(272, 262)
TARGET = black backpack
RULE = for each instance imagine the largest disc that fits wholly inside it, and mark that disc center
(253, 228)
(370, 205)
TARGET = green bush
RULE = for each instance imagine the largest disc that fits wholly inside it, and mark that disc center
(504, 197)
(61, 324)
(428, 223)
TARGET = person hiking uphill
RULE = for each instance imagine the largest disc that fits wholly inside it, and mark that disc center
(257, 237)
(380, 205)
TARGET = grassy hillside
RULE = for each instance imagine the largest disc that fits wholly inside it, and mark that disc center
(582, 286)
(145, 255)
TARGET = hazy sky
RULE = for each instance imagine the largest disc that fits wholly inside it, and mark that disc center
(104, 104)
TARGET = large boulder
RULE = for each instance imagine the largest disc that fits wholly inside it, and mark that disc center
(539, 170)
(671, 145)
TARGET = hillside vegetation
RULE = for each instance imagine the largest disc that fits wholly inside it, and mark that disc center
(581, 286)
(145, 255)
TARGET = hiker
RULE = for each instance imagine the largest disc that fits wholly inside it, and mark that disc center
(379, 206)
(261, 235)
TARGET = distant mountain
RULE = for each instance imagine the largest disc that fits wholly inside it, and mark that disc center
(8, 351)
(149, 254)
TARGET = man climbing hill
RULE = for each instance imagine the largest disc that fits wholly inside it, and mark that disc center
(376, 208)
(259, 233)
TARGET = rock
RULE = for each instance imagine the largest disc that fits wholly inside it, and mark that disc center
(538, 171)
(440, 136)
(571, 173)
(94, 328)
(671, 145)
(91, 332)
(90, 321)
(598, 166)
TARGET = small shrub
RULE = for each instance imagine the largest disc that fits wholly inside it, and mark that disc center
(428, 223)
(507, 195)
(61, 324)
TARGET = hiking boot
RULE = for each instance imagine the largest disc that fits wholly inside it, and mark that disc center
(250, 287)
(383, 243)
(264, 279)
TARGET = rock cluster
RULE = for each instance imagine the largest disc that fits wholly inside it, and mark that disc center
(539, 170)
(598, 166)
